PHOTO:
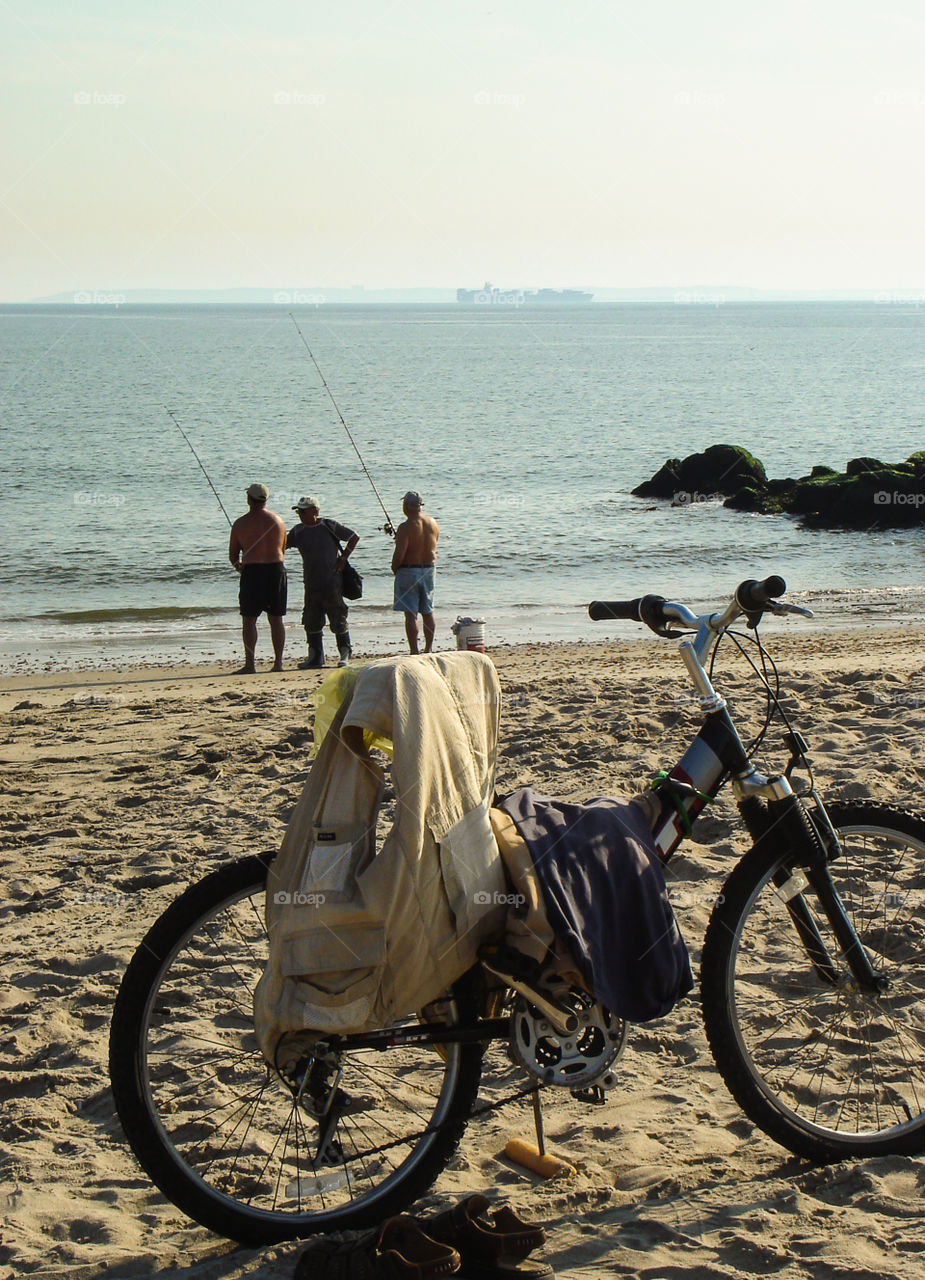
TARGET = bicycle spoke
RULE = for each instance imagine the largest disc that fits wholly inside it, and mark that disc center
(838, 1063)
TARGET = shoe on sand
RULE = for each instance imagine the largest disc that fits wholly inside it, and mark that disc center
(398, 1250)
(492, 1243)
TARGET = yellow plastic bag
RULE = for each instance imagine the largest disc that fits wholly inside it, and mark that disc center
(328, 697)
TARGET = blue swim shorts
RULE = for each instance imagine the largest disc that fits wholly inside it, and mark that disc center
(414, 589)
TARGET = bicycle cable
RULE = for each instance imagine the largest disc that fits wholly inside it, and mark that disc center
(772, 703)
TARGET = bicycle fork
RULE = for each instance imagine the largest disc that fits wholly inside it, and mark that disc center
(787, 821)
(771, 810)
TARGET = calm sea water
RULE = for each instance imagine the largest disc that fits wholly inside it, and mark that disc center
(525, 430)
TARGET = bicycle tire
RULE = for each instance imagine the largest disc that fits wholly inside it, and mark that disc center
(823, 1068)
(216, 1129)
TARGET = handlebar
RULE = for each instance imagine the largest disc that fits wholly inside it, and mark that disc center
(601, 610)
(751, 597)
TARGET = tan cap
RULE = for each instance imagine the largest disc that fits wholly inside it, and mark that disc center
(259, 492)
(307, 504)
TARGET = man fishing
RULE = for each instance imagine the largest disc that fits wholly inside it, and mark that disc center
(256, 549)
(323, 559)
(413, 563)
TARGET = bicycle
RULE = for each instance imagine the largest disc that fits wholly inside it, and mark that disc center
(812, 992)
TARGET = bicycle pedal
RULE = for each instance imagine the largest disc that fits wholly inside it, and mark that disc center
(594, 1094)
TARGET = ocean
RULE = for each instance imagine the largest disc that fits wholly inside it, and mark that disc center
(525, 429)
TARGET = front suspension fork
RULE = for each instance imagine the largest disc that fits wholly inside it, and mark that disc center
(786, 821)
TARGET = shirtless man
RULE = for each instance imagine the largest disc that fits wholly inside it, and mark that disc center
(413, 563)
(256, 549)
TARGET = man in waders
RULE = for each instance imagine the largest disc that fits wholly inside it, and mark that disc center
(413, 563)
(317, 542)
(256, 549)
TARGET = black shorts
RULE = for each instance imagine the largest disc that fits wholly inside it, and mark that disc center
(263, 589)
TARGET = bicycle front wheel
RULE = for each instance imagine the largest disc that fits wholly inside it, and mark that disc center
(826, 1068)
(221, 1135)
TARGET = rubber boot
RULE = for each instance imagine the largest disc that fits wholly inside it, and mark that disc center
(343, 648)
(315, 651)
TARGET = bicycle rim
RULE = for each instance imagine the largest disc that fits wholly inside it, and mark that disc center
(215, 1127)
(826, 1068)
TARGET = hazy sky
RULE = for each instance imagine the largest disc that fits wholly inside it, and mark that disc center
(618, 143)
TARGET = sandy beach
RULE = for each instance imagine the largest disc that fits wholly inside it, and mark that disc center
(120, 787)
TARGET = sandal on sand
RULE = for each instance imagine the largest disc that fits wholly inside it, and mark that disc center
(398, 1250)
(492, 1243)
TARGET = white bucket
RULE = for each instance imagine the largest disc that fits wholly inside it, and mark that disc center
(470, 634)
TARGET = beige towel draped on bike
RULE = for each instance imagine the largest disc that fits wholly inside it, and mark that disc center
(360, 938)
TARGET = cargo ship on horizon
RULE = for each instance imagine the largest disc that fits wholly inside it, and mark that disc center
(489, 295)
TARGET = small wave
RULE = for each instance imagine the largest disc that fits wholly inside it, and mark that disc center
(149, 614)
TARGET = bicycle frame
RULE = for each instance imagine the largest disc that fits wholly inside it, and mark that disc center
(716, 754)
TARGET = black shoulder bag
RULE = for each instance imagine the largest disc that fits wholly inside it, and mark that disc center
(351, 581)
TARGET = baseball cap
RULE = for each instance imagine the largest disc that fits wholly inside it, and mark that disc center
(307, 504)
(259, 492)
(413, 499)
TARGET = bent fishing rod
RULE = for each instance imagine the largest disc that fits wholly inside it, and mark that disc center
(173, 416)
(388, 527)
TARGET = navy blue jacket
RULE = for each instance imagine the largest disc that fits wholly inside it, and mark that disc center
(605, 896)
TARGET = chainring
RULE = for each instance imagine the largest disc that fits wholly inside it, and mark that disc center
(572, 1060)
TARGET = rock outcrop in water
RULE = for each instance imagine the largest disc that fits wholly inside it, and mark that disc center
(720, 471)
(869, 494)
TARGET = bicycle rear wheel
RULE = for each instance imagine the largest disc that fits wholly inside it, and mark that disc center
(219, 1132)
(826, 1069)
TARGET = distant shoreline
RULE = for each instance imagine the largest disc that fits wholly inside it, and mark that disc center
(90, 300)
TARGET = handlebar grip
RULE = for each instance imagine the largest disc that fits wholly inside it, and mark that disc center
(753, 596)
(601, 610)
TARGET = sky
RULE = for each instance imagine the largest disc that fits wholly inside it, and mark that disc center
(612, 143)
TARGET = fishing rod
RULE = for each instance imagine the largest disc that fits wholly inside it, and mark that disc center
(199, 460)
(388, 527)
